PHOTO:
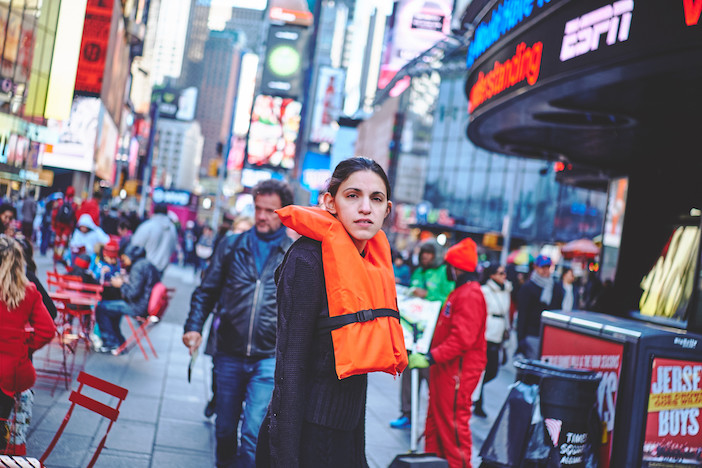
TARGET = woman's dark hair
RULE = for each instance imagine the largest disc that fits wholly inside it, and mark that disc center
(348, 166)
(490, 270)
(8, 207)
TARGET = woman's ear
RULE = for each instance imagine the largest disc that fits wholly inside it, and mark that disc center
(328, 202)
(389, 209)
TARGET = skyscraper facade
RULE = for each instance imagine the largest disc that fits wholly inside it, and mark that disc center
(197, 34)
(169, 45)
(179, 154)
(220, 69)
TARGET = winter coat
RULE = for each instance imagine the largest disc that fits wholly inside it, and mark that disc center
(459, 336)
(497, 300)
(88, 240)
(434, 280)
(247, 299)
(142, 278)
(529, 306)
(16, 370)
(158, 237)
(307, 389)
(29, 210)
(559, 295)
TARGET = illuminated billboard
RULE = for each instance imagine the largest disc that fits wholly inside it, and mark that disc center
(64, 63)
(286, 58)
(107, 149)
(76, 144)
(416, 25)
(93, 47)
(116, 67)
(275, 123)
(327, 105)
(178, 104)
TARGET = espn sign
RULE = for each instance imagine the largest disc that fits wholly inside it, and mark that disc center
(582, 34)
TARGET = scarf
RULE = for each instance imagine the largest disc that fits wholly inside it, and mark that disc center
(360, 292)
(263, 243)
(546, 284)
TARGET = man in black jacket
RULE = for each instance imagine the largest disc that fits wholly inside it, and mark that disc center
(134, 293)
(534, 297)
(240, 278)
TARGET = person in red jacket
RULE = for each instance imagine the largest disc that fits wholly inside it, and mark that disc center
(457, 357)
(20, 304)
(91, 207)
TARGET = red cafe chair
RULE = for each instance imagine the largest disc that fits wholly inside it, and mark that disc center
(80, 399)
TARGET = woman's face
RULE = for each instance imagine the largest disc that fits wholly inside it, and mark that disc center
(361, 205)
(569, 277)
(499, 276)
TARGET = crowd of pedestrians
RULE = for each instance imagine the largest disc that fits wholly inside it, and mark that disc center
(282, 392)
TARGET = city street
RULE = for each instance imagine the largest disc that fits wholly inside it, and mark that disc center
(161, 422)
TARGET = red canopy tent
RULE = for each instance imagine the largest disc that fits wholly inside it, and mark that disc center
(580, 248)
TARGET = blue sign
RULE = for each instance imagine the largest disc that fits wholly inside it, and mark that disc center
(504, 16)
(171, 197)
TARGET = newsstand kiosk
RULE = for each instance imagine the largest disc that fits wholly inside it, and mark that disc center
(650, 396)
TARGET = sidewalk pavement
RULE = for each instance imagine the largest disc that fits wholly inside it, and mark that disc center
(161, 421)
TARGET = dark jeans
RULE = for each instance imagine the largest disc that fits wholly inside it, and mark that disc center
(108, 315)
(239, 380)
(46, 234)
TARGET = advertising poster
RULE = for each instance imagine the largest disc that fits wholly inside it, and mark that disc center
(569, 349)
(286, 58)
(93, 47)
(416, 26)
(275, 123)
(327, 105)
(673, 435)
(77, 135)
(107, 149)
(420, 314)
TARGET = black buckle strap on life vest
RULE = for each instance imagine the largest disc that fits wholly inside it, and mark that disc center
(327, 324)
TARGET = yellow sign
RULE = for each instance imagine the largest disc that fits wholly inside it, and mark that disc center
(674, 400)
(47, 177)
(131, 187)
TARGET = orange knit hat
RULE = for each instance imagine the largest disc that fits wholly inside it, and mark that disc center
(463, 255)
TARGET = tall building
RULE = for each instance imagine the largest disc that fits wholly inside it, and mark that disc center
(220, 69)
(198, 32)
(249, 23)
(169, 46)
(142, 66)
(364, 46)
(179, 154)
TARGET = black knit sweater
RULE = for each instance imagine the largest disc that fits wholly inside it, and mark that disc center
(306, 385)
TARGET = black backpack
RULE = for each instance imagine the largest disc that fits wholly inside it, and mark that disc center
(66, 214)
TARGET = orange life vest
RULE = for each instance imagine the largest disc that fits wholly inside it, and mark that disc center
(363, 316)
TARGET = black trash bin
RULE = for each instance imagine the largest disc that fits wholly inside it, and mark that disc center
(567, 435)
(568, 406)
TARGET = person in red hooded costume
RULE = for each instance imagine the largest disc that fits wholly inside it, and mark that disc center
(20, 305)
(457, 357)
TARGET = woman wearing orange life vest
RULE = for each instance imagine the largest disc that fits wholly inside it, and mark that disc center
(337, 321)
